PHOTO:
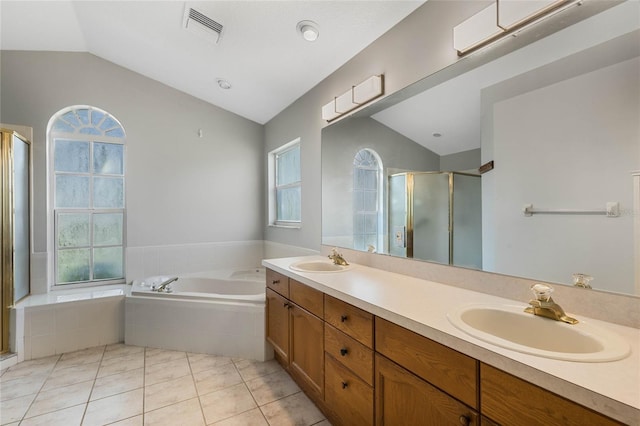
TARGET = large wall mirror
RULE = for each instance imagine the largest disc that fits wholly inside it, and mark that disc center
(559, 118)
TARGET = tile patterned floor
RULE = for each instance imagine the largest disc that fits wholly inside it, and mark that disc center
(134, 386)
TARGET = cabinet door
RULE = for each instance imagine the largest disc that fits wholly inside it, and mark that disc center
(278, 324)
(404, 399)
(512, 401)
(350, 398)
(307, 348)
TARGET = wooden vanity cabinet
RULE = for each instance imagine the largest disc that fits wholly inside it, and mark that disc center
(363, 370)
(295, 328)
(348, 337)
(508, 400)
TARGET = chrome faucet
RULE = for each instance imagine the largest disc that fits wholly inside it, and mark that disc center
(544, 306)
(337, 258)
(164, 284)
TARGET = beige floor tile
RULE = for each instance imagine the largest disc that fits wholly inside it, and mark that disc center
(248, 418)
(120, 349)
(185, 413)
(251, 369)
(226, 403)
(114, 408)
(71, 375)
(159, 356)
(71, 416)
(13, 410)
(59, 398)
(294, 410)
(167, 393)
(216, 378)
(169, 370)
(131, 421)
(84, 356)
(201, 362)
(117, 383)
(31, 368)
(21, 386)
(121, 364)
(271, 387)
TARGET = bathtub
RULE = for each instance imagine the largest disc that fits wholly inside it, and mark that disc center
(217, 312)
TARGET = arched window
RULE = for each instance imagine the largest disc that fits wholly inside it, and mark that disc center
(86, 197)
(367, 201)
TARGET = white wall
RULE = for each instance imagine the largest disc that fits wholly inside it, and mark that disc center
(581, 158)
(181, 189)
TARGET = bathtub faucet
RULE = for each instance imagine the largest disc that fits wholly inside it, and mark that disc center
(163, 285)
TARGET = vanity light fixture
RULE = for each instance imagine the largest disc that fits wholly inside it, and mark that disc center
(308, 30)
(502, 18)
(224, 84)
(365, 92)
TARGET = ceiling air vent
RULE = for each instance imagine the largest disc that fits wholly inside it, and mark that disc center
(199, 23)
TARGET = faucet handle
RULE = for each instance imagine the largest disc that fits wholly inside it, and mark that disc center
(581, 280)
(542, 292)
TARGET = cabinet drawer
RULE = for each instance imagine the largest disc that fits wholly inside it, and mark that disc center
(348, 397)
(351, 320)
(309, 298)
(509, 400)
(350, 353)
(278, 282)
(441, 366)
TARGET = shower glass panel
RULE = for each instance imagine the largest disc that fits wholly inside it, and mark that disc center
(398, 215)
(431, 217)
(436, 216)
(21, 247)
(467, 221)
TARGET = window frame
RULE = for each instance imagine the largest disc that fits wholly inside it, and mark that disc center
(273, 165)
(380, 212)
(54, 213)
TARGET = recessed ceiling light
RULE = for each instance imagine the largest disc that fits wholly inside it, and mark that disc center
(224, 84)
(308, 30)
(437, 135)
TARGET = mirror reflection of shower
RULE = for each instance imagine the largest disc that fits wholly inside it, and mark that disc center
(436, 216)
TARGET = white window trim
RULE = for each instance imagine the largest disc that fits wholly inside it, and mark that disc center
(271, 172)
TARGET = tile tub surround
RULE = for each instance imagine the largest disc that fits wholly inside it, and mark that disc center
(131, 385)
(421, 306)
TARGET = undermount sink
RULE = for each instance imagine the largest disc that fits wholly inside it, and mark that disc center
(317, 266)
(510, 327)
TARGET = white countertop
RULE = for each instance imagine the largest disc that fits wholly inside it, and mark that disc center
(611, 388)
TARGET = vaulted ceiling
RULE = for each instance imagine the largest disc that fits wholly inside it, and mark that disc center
(260, 53)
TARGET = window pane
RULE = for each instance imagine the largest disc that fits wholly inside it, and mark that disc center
(108, 158)
(72, 191)
(73, 229)
(288, 204)
(70, 117)
(96, 117)
(107, 263)
(108, 192)
(288, 167)
(61, 126)
(71, 156)
(73, 265)
(370, 198)
(107, 229)
(83, 116)
(115, 133)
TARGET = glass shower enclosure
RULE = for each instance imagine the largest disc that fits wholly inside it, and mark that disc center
(15, 250)
(436, 216)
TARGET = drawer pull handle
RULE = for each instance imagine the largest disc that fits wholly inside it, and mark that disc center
(464, 420)
(343, 318)
(275, 282)
(344, 351)
(345, 385)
